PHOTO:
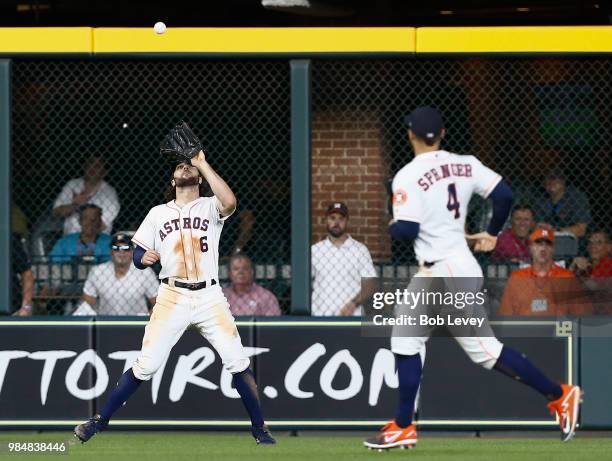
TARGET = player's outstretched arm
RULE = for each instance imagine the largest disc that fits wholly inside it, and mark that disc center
(219, 187)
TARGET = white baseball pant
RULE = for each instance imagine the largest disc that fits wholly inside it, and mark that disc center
(484, 350)
(178, 308)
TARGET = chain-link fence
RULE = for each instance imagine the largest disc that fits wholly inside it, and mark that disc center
(527, 118)
(543, 124)
(88, 131)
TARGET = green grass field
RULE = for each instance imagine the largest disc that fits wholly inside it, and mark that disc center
(153, 446)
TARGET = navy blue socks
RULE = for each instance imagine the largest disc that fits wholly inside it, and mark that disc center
(127, 385)
(517, 366)
(245, 384)
(409, 370)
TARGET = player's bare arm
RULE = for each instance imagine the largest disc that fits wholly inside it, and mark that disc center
(219, 187)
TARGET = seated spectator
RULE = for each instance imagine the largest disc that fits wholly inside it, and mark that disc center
(117, 287)
(596, 273)
(513, 243)
(22, 278)
(544, 288)
(338, 264)
(91, 188)
(245, 297)
(565, 208)
(600, 252)
(90, 242)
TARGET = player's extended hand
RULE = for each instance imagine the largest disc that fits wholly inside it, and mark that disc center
(485, 242)
(199, 159)
(150, 257)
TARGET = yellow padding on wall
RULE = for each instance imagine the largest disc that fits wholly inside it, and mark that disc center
(255, 40)
(577, 39)
(514, 39)
(46, 40)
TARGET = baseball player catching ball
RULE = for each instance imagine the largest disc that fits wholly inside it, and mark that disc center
(430, 199)
(183, 235)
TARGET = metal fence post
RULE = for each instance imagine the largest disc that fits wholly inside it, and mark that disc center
(5, 185)
(300, 186)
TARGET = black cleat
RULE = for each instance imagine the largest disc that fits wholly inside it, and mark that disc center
(89, 428)
(262, 435)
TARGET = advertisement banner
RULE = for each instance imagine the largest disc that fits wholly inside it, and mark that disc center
(310, 374)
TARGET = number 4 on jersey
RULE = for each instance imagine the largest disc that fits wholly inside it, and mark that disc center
(453, 203)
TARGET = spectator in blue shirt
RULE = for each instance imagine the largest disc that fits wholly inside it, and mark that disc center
(90, 243)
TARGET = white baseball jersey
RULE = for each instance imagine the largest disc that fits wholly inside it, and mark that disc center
(187, 238)
(434, 190)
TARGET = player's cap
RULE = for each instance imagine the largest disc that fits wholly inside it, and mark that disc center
(426, 122)
(121, 239)
(337, 207)
(543, 233)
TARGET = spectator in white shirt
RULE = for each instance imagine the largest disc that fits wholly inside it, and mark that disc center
(338, 264)
(117, 287)
(91, 188)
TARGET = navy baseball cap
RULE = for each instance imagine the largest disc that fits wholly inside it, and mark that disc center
(121, 239)
(426, 122)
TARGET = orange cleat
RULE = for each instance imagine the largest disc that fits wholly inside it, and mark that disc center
(567, 408)
(393, 436)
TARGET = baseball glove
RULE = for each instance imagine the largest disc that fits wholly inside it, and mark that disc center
(181, 144)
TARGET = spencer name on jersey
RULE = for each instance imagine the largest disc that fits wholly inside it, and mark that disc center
(186, 238)
(443, 172)
(434, 190)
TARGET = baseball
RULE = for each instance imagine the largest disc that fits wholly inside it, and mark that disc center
(159, 28)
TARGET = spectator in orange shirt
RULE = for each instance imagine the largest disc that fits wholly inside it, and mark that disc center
(544, 288)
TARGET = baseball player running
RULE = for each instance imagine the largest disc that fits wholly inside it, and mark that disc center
(430, 199)
(183, 235)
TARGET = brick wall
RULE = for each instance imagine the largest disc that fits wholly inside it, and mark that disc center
(348, 165)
